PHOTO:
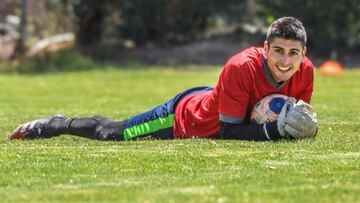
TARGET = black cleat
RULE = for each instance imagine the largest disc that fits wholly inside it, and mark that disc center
(34, 129)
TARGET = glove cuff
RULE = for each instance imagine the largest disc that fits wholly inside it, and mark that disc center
(272, 131)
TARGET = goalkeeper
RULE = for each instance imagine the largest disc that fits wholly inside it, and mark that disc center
(280, 67)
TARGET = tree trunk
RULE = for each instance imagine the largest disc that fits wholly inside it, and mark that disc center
(90, 24)
(20, 44)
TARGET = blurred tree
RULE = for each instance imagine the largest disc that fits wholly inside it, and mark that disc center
(160, 21)
(90, 20)
(30, 21)
(333, 26)
(7, 7)
(173, 21)
(20, 44)
(164, 21)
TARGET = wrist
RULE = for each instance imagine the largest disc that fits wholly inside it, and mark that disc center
(271, 130)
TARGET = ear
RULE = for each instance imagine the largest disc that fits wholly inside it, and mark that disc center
(304, 51)
(266, 46)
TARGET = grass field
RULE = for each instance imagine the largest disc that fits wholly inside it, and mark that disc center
(71, 169)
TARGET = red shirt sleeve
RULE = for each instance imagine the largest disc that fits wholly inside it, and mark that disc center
(306, 94)
(235, 84)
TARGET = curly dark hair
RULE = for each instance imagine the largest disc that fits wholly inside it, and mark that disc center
(287, 28)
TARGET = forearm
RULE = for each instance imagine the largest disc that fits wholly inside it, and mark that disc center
(251, 132)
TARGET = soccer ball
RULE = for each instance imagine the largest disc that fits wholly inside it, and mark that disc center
(268, 108)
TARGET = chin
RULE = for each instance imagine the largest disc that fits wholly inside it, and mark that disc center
(283, 79)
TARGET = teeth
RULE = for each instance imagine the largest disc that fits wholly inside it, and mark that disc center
(284, 68)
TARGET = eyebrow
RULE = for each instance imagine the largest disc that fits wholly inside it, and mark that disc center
(292, 49)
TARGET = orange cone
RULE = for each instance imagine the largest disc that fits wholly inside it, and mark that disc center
(331, 68)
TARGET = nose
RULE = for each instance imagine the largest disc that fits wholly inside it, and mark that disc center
(285, 60)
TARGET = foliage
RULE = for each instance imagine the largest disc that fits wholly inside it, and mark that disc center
(102, 26)
(158, 21)
(90, 16)
(65, 60)
(168, 20)
(333, 27)
(69, 169)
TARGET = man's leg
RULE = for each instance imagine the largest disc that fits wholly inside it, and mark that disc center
(95, 127)
(157, 123)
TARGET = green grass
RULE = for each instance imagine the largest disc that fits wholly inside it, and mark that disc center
(71, 169)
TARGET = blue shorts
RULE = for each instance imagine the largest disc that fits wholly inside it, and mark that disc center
(158, 122)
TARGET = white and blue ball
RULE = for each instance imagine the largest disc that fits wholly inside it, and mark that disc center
(268, 108)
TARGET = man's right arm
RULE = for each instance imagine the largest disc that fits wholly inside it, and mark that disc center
(251, 132)
(295, 121)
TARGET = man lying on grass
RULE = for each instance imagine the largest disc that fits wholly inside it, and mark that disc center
(280, 67)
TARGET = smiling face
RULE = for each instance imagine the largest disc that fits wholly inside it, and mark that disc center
(284, 57)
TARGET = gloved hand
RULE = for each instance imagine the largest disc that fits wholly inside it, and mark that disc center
(297, 120)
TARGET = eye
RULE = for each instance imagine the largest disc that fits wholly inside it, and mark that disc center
(294, 53)
(278, 51)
